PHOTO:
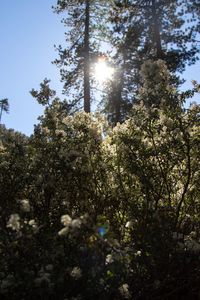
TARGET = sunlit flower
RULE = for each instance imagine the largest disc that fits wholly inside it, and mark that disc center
(25, 205)
(76, 273)
(129, 224)
(13, 222)
(76, 223)
(109, 259)
(66, 220)
(138, 253)
(60, 132)
(33, 224)
(124, 291)
(63, 231)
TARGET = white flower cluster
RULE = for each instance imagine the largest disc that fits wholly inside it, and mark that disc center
(76, 273)
(66, 220)
(156, 82)
(109, 259)
(129, 225)
(14, 222)
(34, 225)
(124, 291)
(60, 132)
(2, 148)
(70, 223)
(25, 205)
(138, 253)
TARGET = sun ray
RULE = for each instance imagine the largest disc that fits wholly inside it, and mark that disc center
(103, 71)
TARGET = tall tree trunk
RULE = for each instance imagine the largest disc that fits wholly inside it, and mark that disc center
(119, 88)
(87, 59)
(156, 31)
(1, 111)
(118, 98)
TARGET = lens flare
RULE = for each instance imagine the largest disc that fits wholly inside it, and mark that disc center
(103, 71)
(101, 231)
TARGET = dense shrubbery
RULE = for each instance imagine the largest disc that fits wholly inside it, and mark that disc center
(90, 212)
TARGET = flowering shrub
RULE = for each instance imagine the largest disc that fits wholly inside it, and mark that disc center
(88, 212)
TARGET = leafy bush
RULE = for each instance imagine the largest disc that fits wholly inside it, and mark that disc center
(90, 212)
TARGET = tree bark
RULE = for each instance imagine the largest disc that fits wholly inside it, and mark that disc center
(1, 111)
(156, 33)
(118, 99)
(87, 59)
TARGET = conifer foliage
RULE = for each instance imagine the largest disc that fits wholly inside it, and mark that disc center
(82, 20)
(143, 30)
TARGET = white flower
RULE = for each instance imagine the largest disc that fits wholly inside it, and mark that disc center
(138, 253)
(129, 224)
(84, 218)
(109, 259)
(59, 132)
(34, 225)
(124, 291)
(46, 130)
(2, 148)
(69, 224)
(169, 123)
(76, 273)
(66, 220)
(193, 105)
(63, 231)
(13, 222)
(25, 205)
(76, 223)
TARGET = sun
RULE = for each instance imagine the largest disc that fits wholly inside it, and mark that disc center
(103, 71)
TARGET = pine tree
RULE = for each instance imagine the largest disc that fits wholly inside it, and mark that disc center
(150, 29)
(77, 57)
(4, 106)
(73, 60)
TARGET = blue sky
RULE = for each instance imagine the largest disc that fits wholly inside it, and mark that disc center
(28, 30)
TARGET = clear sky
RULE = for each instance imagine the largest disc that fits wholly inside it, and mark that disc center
(28, 30)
